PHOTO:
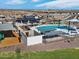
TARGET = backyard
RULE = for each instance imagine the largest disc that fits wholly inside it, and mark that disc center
(69, 53)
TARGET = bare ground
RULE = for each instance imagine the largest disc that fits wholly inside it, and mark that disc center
(45, 46)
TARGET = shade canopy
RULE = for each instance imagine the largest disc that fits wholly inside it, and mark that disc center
(73, 20)
(6, 27)
(52, 33)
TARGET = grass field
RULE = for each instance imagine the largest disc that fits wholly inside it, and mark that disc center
(57, 54)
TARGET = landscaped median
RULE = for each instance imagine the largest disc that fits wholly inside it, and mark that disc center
(56, 54)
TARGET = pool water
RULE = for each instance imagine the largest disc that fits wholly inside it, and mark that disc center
(51, 27)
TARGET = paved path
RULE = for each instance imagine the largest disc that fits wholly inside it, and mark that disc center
(23, 38)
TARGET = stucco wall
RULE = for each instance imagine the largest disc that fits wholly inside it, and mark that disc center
(34, 40)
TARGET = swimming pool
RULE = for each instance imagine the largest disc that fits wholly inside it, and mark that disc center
(52, 27)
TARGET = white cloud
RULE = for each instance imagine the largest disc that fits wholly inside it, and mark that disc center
(35, 0)
(15, 2)
(60, 4)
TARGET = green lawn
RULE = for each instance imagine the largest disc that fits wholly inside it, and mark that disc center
(57, 54)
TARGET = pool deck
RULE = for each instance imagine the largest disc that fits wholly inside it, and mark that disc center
(39, 31)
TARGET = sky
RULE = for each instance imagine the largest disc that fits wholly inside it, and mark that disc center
(39, 4)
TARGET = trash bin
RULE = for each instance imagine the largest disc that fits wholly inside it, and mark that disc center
(1, 36)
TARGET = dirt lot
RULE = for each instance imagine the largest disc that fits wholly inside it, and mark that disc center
(45, 46)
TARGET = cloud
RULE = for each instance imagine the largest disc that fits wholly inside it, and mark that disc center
(60, 4)
(15, 2)
(35, 0)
